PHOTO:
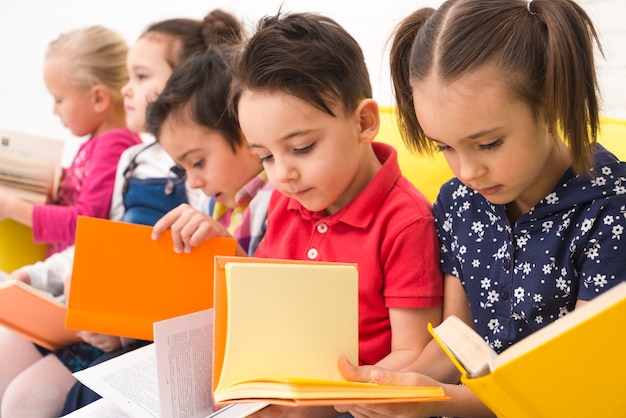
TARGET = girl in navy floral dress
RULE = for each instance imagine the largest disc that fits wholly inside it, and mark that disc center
(532, 225)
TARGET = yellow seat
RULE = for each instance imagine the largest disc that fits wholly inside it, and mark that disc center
(428, 173)
(17, 248)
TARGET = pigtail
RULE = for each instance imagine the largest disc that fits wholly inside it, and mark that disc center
(572, 98)
(400, 63)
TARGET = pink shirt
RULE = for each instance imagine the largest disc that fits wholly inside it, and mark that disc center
(86, 189)
(388, 229)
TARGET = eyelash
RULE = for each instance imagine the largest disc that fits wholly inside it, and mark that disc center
(198, 165)
(297, 151)
(486, 147)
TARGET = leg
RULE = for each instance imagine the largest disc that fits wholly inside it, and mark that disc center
(39, 391)
(16, 355)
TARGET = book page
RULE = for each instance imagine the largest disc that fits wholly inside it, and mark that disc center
(184, 350)
(102, 408)
(129, 381)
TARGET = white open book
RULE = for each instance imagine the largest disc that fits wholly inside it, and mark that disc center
(169, 378)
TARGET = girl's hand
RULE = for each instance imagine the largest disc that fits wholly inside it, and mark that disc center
(189, 227)
(104, 342)
(386, 377)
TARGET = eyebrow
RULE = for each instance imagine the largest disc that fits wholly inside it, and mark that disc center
(186, 154)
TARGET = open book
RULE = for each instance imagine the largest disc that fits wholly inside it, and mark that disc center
(572, 367)
(34, 314)
(170, 378)
(17, 247)
(123, 281)
(279, 329)
(30, 165)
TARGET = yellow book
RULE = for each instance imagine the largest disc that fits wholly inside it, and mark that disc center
(571, 368)
(123, 281)
(34, 314)
(279, 329)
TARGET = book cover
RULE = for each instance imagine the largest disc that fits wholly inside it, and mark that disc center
(17, 247)
(34, 314)
(279, 329)
(571, 367)
(30, 165)
(123, 281)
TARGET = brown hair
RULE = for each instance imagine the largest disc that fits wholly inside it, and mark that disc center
(543, 50)
(307, 56)
(198, 88)
(188, 37)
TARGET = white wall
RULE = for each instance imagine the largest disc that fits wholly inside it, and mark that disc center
(26, 27)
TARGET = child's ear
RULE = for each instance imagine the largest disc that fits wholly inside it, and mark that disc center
(101, 98)
(369, 119)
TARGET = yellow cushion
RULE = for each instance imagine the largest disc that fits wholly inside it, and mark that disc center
(17, 248)
(428, 173)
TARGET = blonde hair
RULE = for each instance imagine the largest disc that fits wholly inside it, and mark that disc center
(95, 55)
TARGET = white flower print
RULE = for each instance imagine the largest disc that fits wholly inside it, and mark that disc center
(587, 224)
(485, 283)
(493, 325)
(539, 319)
(519, 294)
(552, 199)
(547, 268)
(592, 253)
(599, 280)
(619, 189)
(606, 171)
(522, 240)
(598, 181)
(563, 311)
(546, 226)
(493, 296)
(561, 283)
(497, 343)
(462, 249)
(526, 268)
(476, 263)
(609, 219)
(617, 231)
(537, 298)
(460, 192)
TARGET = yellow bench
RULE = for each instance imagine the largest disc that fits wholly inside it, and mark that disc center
(428, 173)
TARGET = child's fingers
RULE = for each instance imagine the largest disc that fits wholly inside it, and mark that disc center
(167, 221)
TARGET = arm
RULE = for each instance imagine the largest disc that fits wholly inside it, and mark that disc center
(48, 274)
(409, 335)
(189, 228)
(15, 208)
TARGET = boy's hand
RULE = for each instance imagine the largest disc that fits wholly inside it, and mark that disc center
(189, 227)
(104, 342)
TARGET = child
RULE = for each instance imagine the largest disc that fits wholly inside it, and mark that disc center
(191, 121)
(531, 226)
(84, 71)
(303, 98)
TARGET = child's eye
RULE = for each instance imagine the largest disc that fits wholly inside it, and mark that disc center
(491, 146)
(266, 159)
(442, 148)
(304, 150)
(198, 165)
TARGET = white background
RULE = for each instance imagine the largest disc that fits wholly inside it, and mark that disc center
(26, 28)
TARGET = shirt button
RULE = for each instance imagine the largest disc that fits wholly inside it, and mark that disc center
(506, 263)
(504, 294)
(312, 254)
(322, 228)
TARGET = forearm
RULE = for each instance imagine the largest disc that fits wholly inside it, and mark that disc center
(435, 363)
(19, 210)
(463, 403)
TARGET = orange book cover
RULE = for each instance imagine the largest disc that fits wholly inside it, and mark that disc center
(123, 281)
(35, 315)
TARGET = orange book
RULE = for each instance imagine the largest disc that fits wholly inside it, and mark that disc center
(279, 329)
(123, 281)
(34, 314)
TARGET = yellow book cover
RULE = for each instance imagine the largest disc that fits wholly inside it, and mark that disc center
(123, 281)
(572, 367)
(34, 315)
(279, 329)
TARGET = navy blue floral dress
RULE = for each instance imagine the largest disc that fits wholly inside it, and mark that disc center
(520, 277)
